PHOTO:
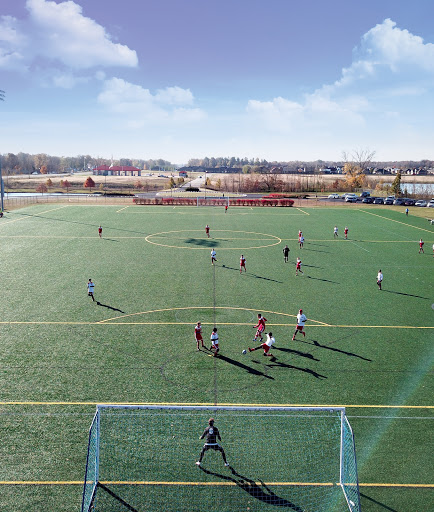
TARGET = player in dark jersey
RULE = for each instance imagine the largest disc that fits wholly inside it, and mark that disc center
(212, 434)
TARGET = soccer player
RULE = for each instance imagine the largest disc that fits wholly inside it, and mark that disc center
(335, 232)
(90, 289)
(242, 264)
(212, 434)
(198, 335)
(346, 233)
(213, 256)
(301, 319)
(266, 346)
(285, 254)
(214, 341)
(298, 267)
(100, 231)
(207, 230)
(226, 208)
(406, 211)
(299, 234)
(421, 242)
(301, 241)
(379, 279)
(260, 326)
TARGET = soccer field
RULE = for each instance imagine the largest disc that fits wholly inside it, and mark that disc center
(368, 350)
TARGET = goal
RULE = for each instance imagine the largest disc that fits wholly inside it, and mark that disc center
(143, 458)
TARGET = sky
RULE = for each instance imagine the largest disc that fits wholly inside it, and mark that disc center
(280, 80)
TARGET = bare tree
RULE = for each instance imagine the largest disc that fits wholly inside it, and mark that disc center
(355, 165)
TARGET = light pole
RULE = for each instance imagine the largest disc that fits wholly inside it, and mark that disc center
(205, 184)
(2, 190)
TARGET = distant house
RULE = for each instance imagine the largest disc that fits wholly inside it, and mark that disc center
(183, 174)
(116, 170)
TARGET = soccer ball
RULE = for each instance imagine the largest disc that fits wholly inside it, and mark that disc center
(244, 352)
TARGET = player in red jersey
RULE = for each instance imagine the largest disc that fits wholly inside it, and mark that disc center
(300, 234)
(298, 267)
(242, 264)
(346, 233)
(198, 335)
(207, 230)
(421, 246)
(100, 231)
(260, 327)
(226, 208)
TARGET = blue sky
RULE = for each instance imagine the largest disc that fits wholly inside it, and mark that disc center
(275, 79)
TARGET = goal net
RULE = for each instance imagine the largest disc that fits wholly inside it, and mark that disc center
(143, 458)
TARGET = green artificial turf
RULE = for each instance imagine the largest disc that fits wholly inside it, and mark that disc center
(364, 349)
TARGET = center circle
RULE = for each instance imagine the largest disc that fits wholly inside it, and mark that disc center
(223, 235)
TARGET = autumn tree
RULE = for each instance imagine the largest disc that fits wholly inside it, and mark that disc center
(43, 169)
(355, 165)
(172, 183)
(49, 183)
(89, 183)
(65, 184)
(138, 184)
(42, 188)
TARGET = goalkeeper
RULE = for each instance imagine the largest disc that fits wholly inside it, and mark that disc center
(212, 434)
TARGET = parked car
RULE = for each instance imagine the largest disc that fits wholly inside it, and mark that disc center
(378, 200)
(367, 200)
(409, 202)
(334, 196)
(350, 198)
(421, 202)
(389, 200)
(430, 204)
(399, 201)
(365, 194)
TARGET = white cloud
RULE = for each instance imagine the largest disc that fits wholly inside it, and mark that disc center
(388, 65)
(59, 33)
(139, 105)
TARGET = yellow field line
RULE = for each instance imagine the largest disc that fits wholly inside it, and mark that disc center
(111, 321)
(206, 484)
(331, 406)
(393, 220)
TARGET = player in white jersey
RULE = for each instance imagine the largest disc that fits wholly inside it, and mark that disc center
(266, 346)
(335, 232)
(213, 256)
(214, 341)
(90, 289)
(301, 320)
(379, 279)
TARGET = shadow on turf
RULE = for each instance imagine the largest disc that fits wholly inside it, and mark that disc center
(244, 367)
(109, 307)
(319, 279)
(117, 498)
(207, 242)
(377, 503)
(260, 492)
(407, 294)
(315, 374)
(317, 344)
(302, 354)
(249, 274)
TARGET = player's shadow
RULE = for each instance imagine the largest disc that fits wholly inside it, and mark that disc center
(407, 294)
(333, 349)
(109, 307)
(279, 364)
(110, 239)
(311, 266)
(314, 250)
(202, 242)
(260, 492)
(249, 274)
(253, 371)
(319, 279)
(302, 354)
